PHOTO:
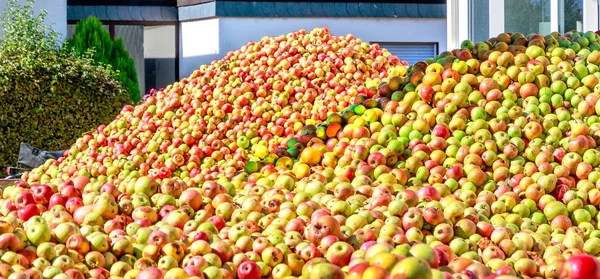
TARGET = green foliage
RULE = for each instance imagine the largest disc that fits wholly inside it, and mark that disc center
(49, 96)
(90, 35)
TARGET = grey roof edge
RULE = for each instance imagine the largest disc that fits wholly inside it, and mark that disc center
(257, 9)
(124, 13)
(296, 9)
(198, 11)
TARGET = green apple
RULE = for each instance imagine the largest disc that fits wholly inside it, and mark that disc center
(167, 262)
(41, 263)
(46, 251)
(534, 51)
(146, 185)
(142, 235)
(467, 44)
(592, 246)
(38, 233)
(592, 156)
(555, 208)
(99, 242)
(10, 258)
(63, 262)
(243, 142)
(51, 272)
(460, 66)
(213, 272)
(385, 136)
(412, 268)
(324, 271)
(64, 230)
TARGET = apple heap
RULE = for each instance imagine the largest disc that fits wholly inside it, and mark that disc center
(240, 107)
(494, 145)
(316, 156)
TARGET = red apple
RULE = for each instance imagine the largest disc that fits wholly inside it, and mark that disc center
(581, 266)
(249, 270)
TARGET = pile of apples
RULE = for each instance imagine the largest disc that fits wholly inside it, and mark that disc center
(317, 156)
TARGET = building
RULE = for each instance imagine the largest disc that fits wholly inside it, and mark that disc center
(168, 39)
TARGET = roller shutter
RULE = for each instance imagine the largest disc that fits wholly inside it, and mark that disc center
(411, 52)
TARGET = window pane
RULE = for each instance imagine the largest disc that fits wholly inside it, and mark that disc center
(133, 39)
(480, 22)
(573, 15)
(527, 16)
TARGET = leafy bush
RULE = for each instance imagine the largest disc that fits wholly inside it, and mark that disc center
(90, 35)
(49, 96)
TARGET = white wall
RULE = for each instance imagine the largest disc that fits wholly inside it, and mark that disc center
(159, 55)
(200, 44)
(57, 13)
(203, 42)
(158, 41)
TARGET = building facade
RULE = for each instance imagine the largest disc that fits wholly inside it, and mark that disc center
(480, 19)
(168, 39)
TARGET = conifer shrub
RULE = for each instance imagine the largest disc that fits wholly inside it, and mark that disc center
(91, 36)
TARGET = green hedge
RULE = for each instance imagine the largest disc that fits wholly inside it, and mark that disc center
(49, 96)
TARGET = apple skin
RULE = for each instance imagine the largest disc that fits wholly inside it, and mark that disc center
(442, 257)
(28, 211)
(581, 266)
(41, 193)
(412, 268)
(339, 253)
(192, 270)
(158, 238)
(23, 199)
(427, 93)
(57, 199)
(249, 270)
(9, 242)
(38, 233)
(357, 270)
(321, 227)
(325, 270)
(150, 272)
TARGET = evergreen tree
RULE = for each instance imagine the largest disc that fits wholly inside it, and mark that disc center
(90, 35)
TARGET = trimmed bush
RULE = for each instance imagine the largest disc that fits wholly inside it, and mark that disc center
(49, 95)
(91, 36)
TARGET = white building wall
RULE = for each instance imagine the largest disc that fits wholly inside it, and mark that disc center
(57, 13)
(200, 44)
(206, 40)
(158, 41)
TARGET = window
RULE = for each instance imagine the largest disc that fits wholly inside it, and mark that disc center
(573, 15)
(527, 16)
(480, 20)
(133, 39)
(412, 52)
